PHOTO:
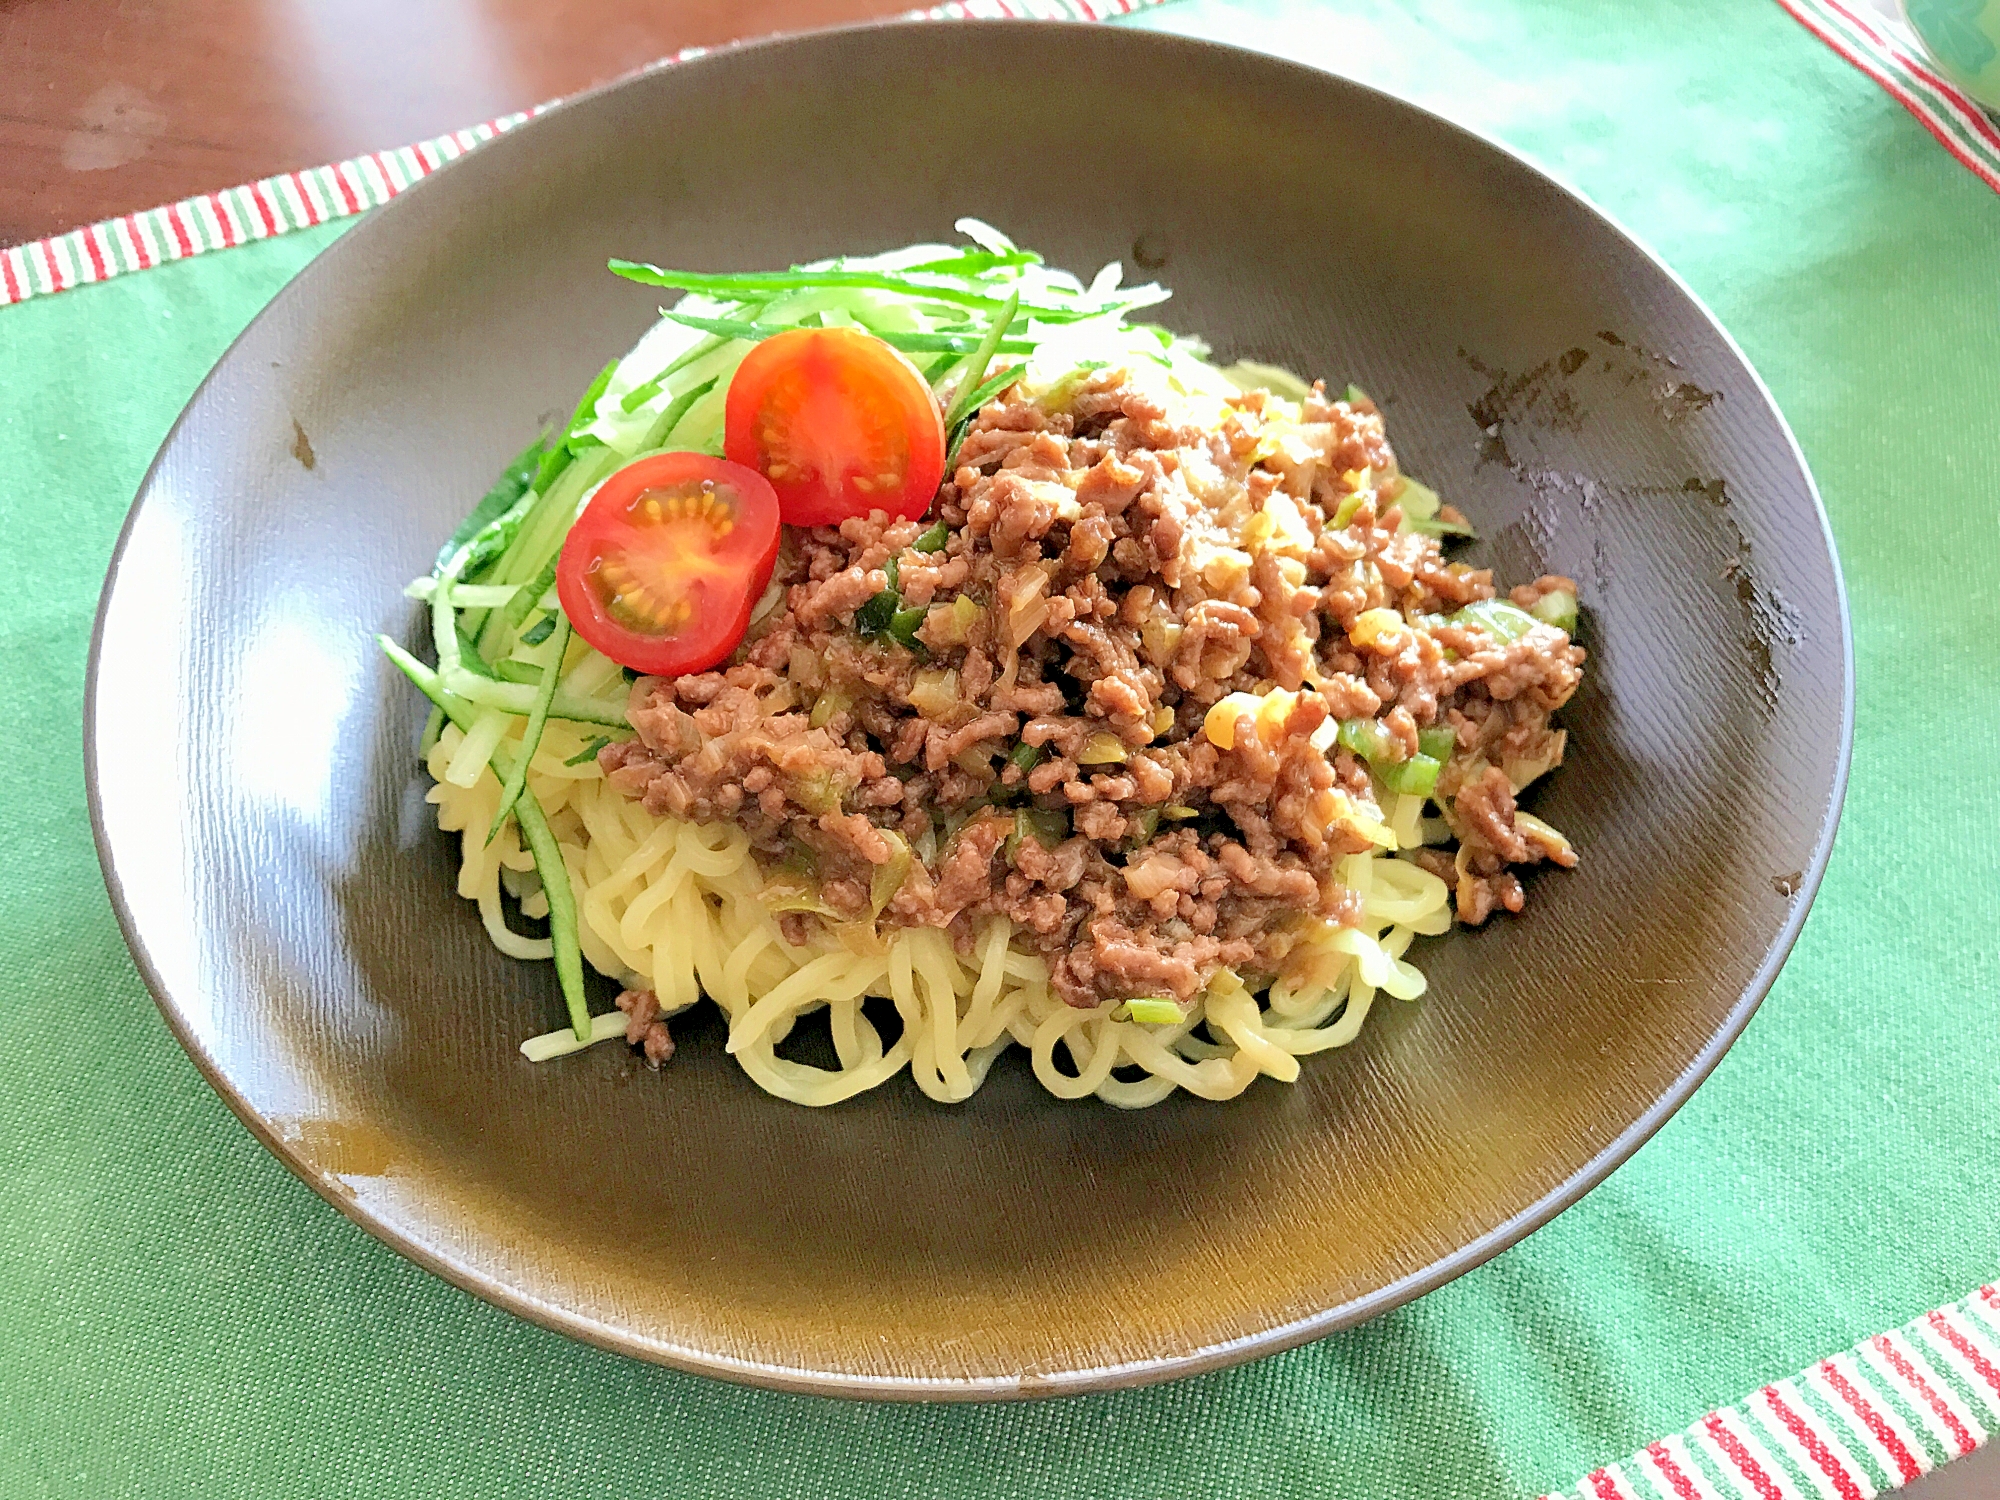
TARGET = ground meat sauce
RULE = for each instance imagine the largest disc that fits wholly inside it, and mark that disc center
(1116, 561)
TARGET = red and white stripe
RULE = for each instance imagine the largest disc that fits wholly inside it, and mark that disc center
(1897, 1449)
(1894, 59)
(1937, 1406)
(315, 195)
(1674, 1471)
(1813, 1446)
(1734, 1447)
(1888, 1407)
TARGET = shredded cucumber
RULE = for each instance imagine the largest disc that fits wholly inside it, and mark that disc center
(518, 698)
(468, 763)
(531, 737)
(535, 831)
(468, 595)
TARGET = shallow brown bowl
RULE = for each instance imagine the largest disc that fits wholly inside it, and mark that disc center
(260, 810)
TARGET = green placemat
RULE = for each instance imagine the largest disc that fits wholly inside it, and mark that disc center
(185, 1318)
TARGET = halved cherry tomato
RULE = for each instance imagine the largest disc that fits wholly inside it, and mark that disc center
(840, 423)
(663, 567)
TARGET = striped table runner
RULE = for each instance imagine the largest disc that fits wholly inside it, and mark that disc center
(1870, 35)
(1855, 1425)
(1858, 1424)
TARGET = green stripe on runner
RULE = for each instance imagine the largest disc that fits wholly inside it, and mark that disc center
(1853, 1391)
(1721, 1474)
(1860, 1445)
(320, 193)
(1904, 1403)
(1756, 1417)
(1935, 1368)
(1707, 1467)
(1937, 1349)
(1643, 1465)
(1842, 1446)
(1982, 1331)
(252, 215)
(1637, 1476)
(298, 199)
(1985, 1329)
(208, 214)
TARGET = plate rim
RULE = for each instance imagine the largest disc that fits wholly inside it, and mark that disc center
(1104, 1377)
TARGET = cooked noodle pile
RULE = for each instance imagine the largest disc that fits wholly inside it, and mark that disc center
(677, 908)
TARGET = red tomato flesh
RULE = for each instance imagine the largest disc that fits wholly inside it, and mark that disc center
(840, 423)
(663, 567)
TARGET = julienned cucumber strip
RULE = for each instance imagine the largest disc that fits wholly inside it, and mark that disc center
(990, 389)
(754, 283)
(541, 533)
(702, 349)
(519, 698)
(699, 351)
(485, 549)
(486, 546)
(639, 395)
(469, 595)
(531, 737)
(444, 616)
(461, 711)
(507, 489)
(523, 604)
(979, 359)
(972, 262)
(544, 527)
(559, 454)
(664, 425)
(469, 659)
(955, 431)
(909, 343)
(535, 830)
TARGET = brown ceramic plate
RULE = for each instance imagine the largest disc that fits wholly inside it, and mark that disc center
(260, 809)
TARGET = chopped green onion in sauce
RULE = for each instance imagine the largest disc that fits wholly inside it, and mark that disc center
(1154, 1012)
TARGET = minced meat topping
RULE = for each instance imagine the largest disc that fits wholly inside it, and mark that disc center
(1016, 705)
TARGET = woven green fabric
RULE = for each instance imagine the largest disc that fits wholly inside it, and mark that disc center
(185, 1318)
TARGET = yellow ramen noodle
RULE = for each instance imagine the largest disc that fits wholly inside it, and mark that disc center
(677, 907)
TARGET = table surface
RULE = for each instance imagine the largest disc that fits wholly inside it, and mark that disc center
(113, 109)
(108, 109)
